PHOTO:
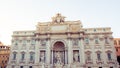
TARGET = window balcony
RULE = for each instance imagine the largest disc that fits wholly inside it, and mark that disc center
(31, 61)
(22, 61)
(14, 61)
(89, 62)
(112, 61)
(99, 61)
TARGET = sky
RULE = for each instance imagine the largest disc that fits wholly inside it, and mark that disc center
(23, 15)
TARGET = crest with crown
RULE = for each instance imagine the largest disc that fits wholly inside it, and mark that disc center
(58, 18)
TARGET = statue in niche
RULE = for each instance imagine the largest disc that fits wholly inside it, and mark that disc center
(76, 56)
(58, 58)
(42, 57)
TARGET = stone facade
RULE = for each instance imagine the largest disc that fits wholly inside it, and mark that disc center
(4, 55)
(63, 44)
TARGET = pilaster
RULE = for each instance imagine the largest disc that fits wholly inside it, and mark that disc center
(82, 53)
(70, 52)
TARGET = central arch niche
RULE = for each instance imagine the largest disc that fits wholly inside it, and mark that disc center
(59, 46)
(59, 53)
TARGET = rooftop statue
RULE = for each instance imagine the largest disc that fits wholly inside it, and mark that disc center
(58, 18)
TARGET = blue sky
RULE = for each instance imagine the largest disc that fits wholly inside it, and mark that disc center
(25, 14)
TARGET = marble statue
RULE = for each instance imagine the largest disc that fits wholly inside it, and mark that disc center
(76, 56)
(58, 57)
(42, 57)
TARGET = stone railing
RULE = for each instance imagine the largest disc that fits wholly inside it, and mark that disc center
(13, 61)
(99, 61)
(112, 61)
(22, 61)
(31, 61)
(89, 62)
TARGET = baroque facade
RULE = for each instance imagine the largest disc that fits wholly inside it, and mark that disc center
(63, 44)
(117, 46)
(4, 55)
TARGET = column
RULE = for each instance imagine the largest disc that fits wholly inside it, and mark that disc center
(82, 53)
(52, 56)
(48, 52)
(93, 54)
(37, 51)
(70, 52)
(103, 54)
(66, 57)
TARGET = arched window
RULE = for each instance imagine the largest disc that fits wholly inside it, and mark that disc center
(22, 55)
(88, 55)
(32, 55)
(98, 53)
(109, 55)
(98, 56)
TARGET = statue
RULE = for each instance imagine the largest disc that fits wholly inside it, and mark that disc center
(58, 18)
(76, 56)
(42, 57)
(58, 57)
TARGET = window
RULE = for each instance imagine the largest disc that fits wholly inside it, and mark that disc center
(28, 41)
(103, 29)
(119, 42)
(98, 56)
(16, 43)
(24, 42)
(94, 30)
(31, 56)
(88, 55)
(115, 42)
(2, 61)
(32, 42)
(14, 56)
(109, 56)
(96, 40)
(86, 40)
(106, 40)
(22, 56)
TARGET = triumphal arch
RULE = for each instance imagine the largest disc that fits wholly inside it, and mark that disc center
(63, 44)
